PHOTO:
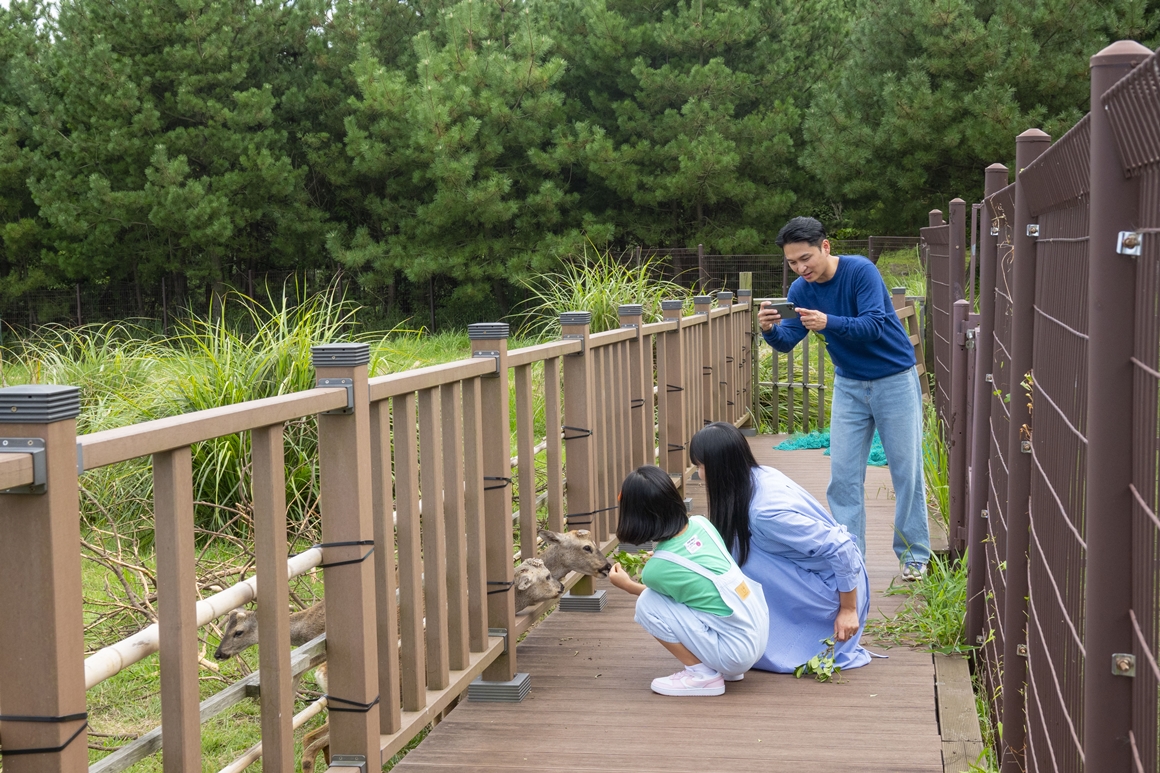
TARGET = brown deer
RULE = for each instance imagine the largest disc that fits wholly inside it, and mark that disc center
(534, 583)
(573, 551)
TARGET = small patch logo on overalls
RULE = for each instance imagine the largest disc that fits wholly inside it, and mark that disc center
(742, 591)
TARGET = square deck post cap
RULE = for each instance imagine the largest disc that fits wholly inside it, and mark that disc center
(487, 331)
(576, 318)
(630, 310)
(39, 404)
(724, 297)
(702, 299)
(672, 305)
(744, 293)
(340, 355)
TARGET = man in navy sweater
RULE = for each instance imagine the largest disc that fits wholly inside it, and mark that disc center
(843, 299)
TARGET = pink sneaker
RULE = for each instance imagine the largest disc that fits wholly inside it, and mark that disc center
(688, 683)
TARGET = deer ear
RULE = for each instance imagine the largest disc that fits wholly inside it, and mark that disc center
(551, 536)
(524, 581)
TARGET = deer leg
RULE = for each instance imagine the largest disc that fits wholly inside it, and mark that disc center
(317, 740)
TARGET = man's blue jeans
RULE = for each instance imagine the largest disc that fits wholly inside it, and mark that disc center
(893, 405)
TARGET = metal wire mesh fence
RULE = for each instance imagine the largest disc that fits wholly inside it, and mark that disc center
(1065, 514)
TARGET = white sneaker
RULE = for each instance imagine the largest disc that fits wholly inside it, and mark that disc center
(913, 571)
(733, 677)
(686, 683)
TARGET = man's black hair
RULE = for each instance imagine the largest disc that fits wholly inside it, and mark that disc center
(651, 508)
(801, 229)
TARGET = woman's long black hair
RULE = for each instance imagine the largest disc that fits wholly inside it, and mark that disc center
(651, 508)
(729, 463)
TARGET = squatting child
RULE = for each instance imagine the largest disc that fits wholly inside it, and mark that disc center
(694, 598)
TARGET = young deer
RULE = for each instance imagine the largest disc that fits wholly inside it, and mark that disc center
(534, 583)
(242, 631)
(573, 551)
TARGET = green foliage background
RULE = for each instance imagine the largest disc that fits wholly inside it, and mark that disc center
(478, 143)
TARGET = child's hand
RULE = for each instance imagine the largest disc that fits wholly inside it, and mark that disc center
(623, 580)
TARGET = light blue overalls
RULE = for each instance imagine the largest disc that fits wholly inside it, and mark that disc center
(729, 644)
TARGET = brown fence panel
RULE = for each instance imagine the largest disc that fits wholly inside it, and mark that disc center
(1057, 187)
(1002, 205)
(940, 296)
(1133, 110)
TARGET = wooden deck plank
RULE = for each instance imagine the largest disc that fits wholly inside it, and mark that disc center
(590, 707)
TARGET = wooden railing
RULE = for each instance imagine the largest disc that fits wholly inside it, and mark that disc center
(418, 588)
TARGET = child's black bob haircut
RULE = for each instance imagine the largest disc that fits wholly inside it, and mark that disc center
(651, 508)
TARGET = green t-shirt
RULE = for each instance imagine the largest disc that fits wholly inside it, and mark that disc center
(681, 585)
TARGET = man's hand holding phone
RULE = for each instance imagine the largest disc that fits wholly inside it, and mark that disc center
(772, 312)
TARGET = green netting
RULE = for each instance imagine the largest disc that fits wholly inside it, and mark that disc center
(821, 439)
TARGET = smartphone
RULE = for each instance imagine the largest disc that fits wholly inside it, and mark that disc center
(784, 308)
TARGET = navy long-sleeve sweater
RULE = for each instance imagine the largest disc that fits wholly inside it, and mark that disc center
(863, 334)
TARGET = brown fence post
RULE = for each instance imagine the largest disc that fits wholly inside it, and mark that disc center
(995, 180)
(957, 431)
(640, 393)
(490, 339)
(702, 271)
(728, 356)
(749, 355)
(344, 457)
(671, 384)
(957, 249)
(703, 304)
(1028, 146)
(42, 647)
(578, 445)
(1107, 706)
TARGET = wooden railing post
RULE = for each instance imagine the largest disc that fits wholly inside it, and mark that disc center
(579, 447)
(640, 388)
(344, 458)
(748, 353)
(674, 453)
(1107, 705)
(42, 646)
(1028, 146)
(957, 431)
(995, 180)
(490, 339)
(702, 304)
(729, 356)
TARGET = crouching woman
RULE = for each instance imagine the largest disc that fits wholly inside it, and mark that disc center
(694, 598)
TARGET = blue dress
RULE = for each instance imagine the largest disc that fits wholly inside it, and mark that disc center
(802, 558)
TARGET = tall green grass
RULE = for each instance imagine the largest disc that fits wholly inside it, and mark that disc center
(599, 283)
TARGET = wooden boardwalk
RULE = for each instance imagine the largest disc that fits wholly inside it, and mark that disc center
(590, 707)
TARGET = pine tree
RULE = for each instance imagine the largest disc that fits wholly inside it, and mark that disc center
(935, 91)
(159, 144)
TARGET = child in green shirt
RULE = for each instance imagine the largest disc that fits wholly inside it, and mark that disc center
(693, 598)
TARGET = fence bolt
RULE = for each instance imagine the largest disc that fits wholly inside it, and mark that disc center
(1123, 664)
(994, 230)
(984, 514)
(990, 379)
(1033, 229)
(1025, 446)
(979, 639)
(1129, 243)
(1021, 650)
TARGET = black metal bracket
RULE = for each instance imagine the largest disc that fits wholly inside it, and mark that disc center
(489, 353)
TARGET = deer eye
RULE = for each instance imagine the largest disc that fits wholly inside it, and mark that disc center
(587, 548)
(237, 634)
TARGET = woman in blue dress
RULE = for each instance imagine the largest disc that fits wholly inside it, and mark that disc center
(811, 570)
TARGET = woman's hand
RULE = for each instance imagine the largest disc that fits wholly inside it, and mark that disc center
(845, 624)
(621, 579)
